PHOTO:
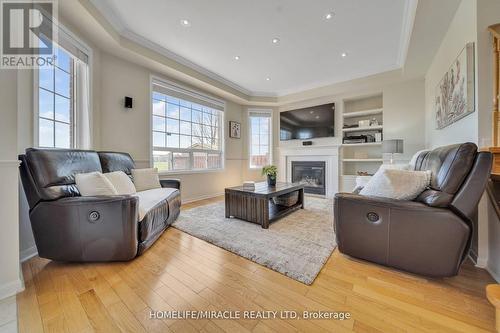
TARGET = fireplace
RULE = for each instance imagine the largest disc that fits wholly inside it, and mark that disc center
(311, 174)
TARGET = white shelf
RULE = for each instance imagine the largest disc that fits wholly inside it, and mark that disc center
(362, 129)
(353, 176)
(362, 144)
(362, 113)
(362, 160)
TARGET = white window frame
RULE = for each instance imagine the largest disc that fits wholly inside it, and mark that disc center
(84, 47)
(199, 95)
(249, 131)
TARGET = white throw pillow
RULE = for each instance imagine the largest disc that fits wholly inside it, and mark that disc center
(121, 182)
(145, 179)
(397, 184)
(94, 183)
(395, 166)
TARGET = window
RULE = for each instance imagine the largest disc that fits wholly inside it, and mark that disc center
(186, 131)
(61, 98)
(260, 138)
(55, 103)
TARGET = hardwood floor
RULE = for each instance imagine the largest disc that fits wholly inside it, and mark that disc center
(181, 272)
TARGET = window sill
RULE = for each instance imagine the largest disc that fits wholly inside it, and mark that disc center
(188, 172)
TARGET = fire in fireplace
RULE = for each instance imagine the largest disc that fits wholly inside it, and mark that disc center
(311, 174)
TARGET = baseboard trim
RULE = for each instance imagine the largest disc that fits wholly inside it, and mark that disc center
(202, 197)
(493, 273)
(28, 253)
(11, 288)
(481, 262)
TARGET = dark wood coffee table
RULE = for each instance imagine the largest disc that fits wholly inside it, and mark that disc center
(256, 205)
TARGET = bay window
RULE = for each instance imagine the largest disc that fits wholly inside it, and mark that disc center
(186, 129)
(260, 138)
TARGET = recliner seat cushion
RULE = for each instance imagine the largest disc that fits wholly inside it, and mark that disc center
(449, 165)
(150, 198)
(154, 210)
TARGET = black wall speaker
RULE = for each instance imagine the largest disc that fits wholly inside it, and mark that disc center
(307, 143)
(128, 102)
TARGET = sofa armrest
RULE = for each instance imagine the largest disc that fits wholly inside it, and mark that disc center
(101, 228)
(404, 234)
(171, 183)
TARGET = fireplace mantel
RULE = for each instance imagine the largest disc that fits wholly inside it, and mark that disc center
(328, 154)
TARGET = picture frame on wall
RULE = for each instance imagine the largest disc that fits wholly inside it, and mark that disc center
(455, 93)
(234, 129)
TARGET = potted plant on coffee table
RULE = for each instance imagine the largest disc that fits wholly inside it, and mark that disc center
(270, 171)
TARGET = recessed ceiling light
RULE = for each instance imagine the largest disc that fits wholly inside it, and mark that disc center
(344, 54)
(185, 23)
(317, 117)
(275, 40)
(268, 79)
(311, 112)
(330, 15)
(236, 57)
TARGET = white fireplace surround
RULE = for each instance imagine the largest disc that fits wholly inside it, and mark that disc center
(327, 154)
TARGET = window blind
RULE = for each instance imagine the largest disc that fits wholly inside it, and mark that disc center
(187, 95)
(259, 113)
(64, 39)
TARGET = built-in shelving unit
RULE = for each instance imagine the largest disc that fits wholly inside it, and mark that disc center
(363, 113)
(363, 129)
(362, 144)
(365, 156)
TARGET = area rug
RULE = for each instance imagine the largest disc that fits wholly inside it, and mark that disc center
(297, 245)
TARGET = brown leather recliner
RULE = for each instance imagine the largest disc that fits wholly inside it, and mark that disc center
(69, 227)
(430, 235)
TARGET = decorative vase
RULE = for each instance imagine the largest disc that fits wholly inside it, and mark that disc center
(271, 181)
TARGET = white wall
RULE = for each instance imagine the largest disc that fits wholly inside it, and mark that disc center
(128, 129)
(470, 25)
(404, 105)
(461, 31)
(10, 281)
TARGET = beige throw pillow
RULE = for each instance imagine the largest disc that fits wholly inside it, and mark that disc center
(94, 183)
(121, 182)
(145, 179)
(397, 184)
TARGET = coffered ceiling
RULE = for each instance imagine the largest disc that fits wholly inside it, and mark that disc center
(316, 43)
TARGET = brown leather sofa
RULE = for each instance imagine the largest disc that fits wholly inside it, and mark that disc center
(430, 235)
(69, 227)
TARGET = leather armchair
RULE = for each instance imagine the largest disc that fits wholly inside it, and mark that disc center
(430, 235)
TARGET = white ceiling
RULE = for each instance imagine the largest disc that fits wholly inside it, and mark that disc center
(374, 34)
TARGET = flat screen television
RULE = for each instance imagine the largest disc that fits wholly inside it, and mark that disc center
(308, 123)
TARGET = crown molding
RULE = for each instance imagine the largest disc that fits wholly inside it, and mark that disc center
(145, 42)
(120, 29)
(410, 11)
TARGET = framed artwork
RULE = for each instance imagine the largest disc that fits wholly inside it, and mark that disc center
(455, 92)
(234, 130)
